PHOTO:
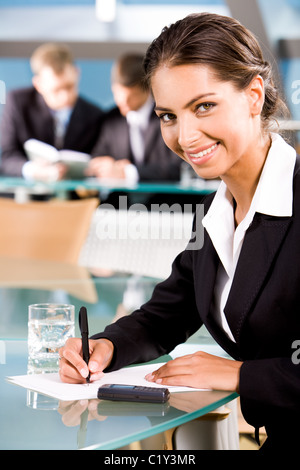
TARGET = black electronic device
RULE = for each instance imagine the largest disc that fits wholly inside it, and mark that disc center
(118, 392)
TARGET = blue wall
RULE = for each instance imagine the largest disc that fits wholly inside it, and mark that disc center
(95, 74)
(94, 82)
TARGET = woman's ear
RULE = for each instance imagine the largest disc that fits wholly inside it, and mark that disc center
(256, 95)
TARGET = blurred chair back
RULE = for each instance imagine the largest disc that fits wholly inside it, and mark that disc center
(136, 242)
(54, 230)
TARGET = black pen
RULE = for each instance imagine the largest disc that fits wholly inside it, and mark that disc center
(84, 329)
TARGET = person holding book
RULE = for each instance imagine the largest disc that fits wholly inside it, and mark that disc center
(50, 111)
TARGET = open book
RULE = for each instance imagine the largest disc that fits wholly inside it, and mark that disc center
(75, 161)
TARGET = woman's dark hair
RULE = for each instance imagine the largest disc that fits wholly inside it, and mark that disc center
(222, 43)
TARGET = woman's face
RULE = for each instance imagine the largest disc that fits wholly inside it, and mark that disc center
(207, 122)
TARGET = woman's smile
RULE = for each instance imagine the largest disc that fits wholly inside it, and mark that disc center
(200, 157)
(209, 123)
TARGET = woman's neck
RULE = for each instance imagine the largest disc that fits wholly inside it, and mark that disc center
(242, 181)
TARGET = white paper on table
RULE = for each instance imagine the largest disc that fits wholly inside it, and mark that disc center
(51, 385)
(190, 348)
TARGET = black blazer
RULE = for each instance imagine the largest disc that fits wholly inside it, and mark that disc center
(27, 116)
(263, 312)
(160, 163)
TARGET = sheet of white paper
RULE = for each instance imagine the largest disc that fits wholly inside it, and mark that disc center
(51, 385)
(190, 348)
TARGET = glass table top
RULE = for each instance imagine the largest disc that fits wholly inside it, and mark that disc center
(29, 420)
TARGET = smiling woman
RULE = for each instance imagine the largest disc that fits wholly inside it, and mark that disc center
(215, 99)
(217, 137)
(219, 123)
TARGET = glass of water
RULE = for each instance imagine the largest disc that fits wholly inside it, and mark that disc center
(49, 327)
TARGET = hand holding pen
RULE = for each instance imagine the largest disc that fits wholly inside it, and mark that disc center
(82, 359)
(84, 329)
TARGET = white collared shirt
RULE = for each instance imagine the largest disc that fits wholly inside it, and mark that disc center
(142, 115)
(61, 120)
(273, 196)
(138, 122)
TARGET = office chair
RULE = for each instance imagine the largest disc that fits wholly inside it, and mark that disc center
(136, 242)
(54, 230)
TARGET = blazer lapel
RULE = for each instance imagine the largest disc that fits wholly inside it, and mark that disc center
(125, 142)
(205, 277)
(122, 146)
(261, 243)
(44, 125)
(150, 134)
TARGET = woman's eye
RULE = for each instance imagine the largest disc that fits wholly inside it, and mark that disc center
(166, 117)
(204, 107)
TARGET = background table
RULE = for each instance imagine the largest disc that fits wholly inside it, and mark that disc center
(23, 189)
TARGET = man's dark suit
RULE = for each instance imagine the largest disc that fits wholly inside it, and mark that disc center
(263, 312)
(160, 163)
(27, 116)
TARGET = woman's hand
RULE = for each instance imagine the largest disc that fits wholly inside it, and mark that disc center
(199, 370)
(71, 411)
(73, 368)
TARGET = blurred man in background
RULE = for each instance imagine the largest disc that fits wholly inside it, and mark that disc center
(50, 111)
(130, 144)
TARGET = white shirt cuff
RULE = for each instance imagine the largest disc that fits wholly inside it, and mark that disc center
(27, 171)
(131, 174)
